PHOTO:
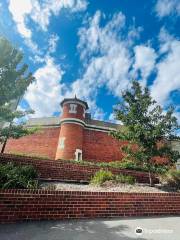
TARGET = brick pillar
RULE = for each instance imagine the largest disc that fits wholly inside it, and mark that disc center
(70, 145)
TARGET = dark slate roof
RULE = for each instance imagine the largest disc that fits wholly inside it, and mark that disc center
(74, 100)
(45, 121)
(101, 123)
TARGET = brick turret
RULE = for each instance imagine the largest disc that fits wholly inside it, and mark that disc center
(70, 144)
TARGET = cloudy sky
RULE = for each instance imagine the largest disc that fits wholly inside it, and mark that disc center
(94, 49)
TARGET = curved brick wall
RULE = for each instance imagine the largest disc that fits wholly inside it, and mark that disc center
(61, 170)
(20, 205)
(71, 133)
(78, 115)
(73, 139)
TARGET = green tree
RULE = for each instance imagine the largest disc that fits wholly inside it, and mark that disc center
(14, 80)
(146, 127)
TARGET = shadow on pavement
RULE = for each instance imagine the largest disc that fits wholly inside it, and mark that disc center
(71, 230)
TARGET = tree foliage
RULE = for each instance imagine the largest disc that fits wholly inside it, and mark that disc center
(146, 127)
(14, 80)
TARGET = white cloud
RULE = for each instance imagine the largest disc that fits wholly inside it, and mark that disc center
(168, 69)
(53, 40)
(95, 39)
(104, 50)
(164, 8)
(51, 48)
(78, 5)
(37, 59)
(107, 59)
(106, 55)
(32, 46)
(177, 115)
(145, 58)
(165, 40)
(19, 11)
(43, 11)
(46, 92)
(40, 12)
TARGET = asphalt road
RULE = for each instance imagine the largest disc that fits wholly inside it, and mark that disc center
(164, 228)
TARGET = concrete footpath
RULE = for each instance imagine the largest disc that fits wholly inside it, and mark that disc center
(161, 228)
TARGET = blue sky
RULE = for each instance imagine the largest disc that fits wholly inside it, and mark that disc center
(94, 49)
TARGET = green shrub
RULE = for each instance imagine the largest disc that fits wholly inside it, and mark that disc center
(126, 165)
(125, 179)
(101, 176)
(171, 179)
(160, 169)
(123, 164)
(16, 176)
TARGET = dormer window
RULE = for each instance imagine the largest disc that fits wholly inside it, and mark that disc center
(73, 108)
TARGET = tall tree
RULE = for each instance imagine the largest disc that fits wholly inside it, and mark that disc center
(146, 127)
(14, 80)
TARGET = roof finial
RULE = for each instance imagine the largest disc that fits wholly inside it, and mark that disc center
(75, 96)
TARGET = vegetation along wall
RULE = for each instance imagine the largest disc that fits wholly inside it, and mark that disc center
(63, 170)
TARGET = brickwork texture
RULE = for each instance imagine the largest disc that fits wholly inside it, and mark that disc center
(43, 143)
(21, 205)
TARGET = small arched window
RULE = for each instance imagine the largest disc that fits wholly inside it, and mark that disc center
(78, 155)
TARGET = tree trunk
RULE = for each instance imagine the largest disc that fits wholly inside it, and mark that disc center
(3, 146)
(150, 179)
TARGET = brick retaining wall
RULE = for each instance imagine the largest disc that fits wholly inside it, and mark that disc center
(20, 205)
(61, 170)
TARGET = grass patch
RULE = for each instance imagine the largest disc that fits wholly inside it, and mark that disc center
(101, 176)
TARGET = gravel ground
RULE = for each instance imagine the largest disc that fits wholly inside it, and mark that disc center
(107, 187)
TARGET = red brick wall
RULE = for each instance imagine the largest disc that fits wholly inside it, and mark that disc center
(43, 143)
(61, 170)
(97, 146)
(100, 147)
(20, 205)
